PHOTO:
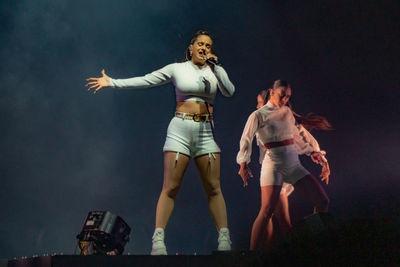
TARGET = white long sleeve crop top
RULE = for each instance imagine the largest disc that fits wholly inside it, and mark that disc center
(192, 82)
(272, 124)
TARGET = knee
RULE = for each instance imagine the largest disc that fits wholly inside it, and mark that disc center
(213, 188)
(266, 213)
(171, 190)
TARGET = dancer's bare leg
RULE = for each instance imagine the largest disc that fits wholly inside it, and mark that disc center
(269, 198)
(173, 175)
(209, 170)
(310, 188)
(269, 232)
(282, 215)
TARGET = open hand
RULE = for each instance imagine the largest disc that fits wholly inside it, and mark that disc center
(98, 83)
(245, 173)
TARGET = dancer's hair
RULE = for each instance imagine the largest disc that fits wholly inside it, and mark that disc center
(194, 38)
(310, 121)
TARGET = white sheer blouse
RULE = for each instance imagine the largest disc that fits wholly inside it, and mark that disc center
(272, 124)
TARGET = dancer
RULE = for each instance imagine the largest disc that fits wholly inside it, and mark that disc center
(281, 212)
(190, 132)
(275, 126)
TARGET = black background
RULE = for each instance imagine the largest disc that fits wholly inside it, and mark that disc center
(64, 151)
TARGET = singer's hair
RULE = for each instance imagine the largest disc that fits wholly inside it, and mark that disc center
(194, 38)
(310, 121)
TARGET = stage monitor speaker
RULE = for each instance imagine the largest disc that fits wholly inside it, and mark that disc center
(103, 233)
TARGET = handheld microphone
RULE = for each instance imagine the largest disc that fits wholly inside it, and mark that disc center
(213, 61)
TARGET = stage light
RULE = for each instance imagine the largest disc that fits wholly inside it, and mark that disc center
(103, 233)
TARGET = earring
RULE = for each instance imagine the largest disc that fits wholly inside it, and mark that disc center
(191, 52)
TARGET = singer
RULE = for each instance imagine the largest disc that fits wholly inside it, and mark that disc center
(190, 132)
(276, 130)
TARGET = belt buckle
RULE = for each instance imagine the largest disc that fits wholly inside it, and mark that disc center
(196, 117)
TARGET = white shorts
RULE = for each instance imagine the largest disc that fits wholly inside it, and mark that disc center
(281, 164)
(190, 138)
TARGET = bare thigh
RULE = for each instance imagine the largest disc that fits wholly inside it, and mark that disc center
(174, 171)
(209, 170)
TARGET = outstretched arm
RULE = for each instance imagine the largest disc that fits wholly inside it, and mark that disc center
(157, 77)
(96, 84)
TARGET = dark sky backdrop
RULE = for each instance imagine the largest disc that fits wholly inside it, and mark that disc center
(64, 151)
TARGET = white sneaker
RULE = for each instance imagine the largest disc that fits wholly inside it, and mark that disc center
(224, 241)
(158, 247)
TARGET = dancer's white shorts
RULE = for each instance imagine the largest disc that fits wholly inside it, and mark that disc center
(190, 138)
(281, 164)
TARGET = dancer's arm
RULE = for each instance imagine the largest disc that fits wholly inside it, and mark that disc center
(244, 155)
(318, 155)
(307, 144)
(246, 140)
(157, 77)
(307, 136)
(304, 141)
(262, 150)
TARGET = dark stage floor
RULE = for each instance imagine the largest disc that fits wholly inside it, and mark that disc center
(362, 241)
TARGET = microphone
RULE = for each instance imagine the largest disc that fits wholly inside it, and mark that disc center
(212, 60)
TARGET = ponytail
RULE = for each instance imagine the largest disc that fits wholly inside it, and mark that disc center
(311, 121)
(264, 95)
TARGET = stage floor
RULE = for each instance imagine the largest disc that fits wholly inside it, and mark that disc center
(340, 256)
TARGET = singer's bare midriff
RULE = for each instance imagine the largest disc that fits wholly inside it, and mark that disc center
(193, 107)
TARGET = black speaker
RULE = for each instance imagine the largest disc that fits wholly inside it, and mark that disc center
(103, 233)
